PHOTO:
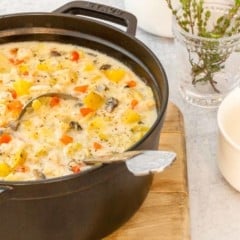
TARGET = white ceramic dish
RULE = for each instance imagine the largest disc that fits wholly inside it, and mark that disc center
(228, 120)
(153, 16)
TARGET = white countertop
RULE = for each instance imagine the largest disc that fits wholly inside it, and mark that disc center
(214, 205)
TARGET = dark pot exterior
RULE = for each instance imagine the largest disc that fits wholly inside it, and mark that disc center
(89, 205)
(85, 207)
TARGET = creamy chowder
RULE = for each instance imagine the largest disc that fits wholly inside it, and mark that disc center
(113, 111)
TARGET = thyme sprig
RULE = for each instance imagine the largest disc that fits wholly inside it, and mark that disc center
(193, 17)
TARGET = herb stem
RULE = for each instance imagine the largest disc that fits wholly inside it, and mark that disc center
(209, 58)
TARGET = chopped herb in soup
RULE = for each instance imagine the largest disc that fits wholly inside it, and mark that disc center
(113, 110)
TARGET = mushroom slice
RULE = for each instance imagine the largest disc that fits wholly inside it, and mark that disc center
(111, 104)
(38, 174)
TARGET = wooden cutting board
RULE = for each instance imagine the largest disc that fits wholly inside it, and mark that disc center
(164, 214)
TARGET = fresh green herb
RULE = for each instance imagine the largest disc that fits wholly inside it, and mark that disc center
(194, 18)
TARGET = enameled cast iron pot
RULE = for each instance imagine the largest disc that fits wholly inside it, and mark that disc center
(91, 204)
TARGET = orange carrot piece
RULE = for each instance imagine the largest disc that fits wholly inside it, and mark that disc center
(75, 169)
(54, 101)
(22, 169)
(81, 89)
(14, 51)
(15, 106)
(131, 84)
(5, 138)
(86, 111)
(26, 73)
(13, 93)
(75, 56)
(134, 103)
(97, 146)
(15, 61)
(66, 139)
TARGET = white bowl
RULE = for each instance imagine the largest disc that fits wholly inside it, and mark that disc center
(228, 119)
(153, 16)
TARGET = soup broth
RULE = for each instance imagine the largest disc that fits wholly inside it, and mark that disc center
(113, 111)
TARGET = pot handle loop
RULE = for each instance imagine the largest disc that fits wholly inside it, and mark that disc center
(102, 12)
(5, 193)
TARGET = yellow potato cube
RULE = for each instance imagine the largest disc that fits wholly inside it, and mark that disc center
(19, 158)
(21, 87)
(96, 78)
(23, 68)
(89, 67)
(27, 124)
(5, 169)
(115, 75)
(93, 100)
(137, 95)
(73, 76)
(96, 124)
(41, 153)
(103, 136)
(140, 128)
(36, 104)
(52, 81)
(46, 132)
(130, 116)
(43, 67)
(139, 131)
(34, 135)
(73, 148)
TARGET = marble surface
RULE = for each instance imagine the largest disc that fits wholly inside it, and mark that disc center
(214, 205)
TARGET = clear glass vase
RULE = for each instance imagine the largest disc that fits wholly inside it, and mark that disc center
(208, 68)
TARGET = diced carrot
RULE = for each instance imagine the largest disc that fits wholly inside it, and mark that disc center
(15, 61)
(21, 168)
(81, 89)
(19, 61)
(134, 103)
(97, 146)
(54, 101)
(86, 111)
(66, 139)
(15, 106)
(14, 51)
(75, 56)
(131, 84)
(11, 60)
(75, 169)
(13, 93)
(5, 138)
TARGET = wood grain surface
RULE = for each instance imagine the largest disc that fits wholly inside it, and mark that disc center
(164, 214)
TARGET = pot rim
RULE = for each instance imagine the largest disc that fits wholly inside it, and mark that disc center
(160, 112)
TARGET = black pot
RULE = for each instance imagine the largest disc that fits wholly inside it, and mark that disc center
(91, 204)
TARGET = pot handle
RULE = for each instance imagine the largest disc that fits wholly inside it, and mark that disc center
(101, 11)
(5, 193)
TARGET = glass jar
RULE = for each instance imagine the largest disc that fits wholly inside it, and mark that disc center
(208, 68)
